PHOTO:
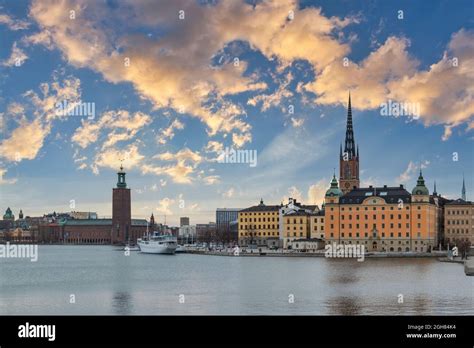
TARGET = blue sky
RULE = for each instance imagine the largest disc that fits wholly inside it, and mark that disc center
(273, 77)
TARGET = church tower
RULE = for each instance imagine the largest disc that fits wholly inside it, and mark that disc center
(121, 210)
(349, 158)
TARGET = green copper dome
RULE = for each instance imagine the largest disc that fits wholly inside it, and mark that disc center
(420, 188)
(334, 189)
(8, 215)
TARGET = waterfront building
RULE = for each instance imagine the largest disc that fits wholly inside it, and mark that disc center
(296, 221)
(349, 158)
(87, 228)
(184, 221)
(206, 232)
(317, 225)
(259, 224)
(382, 218)
(459, 221)
(227, 223)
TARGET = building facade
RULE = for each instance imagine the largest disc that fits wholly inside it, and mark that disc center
(184, 221)
(459, 221)
(259, 224)
(382, 218)
(227, 220)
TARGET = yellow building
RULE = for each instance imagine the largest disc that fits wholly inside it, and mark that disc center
(259, 225)
(382, 218)
(296, 225)
(317, 225)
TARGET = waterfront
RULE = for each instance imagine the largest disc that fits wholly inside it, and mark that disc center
(104, 281)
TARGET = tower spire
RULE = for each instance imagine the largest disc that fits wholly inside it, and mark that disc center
(349, 145)
(463, 190)
(434, 189)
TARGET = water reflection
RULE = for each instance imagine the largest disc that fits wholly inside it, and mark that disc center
(342, 305)
(122, 303)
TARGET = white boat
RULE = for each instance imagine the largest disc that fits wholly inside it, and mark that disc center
(158, 244)
(181, 249)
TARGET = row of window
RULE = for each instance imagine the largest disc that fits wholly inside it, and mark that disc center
(268, 234)
(400, 207)
(457, 230)
(457, 212)
(374, 226)
(374, 217)
(262, 213)
(264, 227)
(366, 235)
(458, 222)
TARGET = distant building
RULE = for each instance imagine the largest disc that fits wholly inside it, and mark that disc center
(8, 216)
(83, 215)
(184, 221)
(206, 232)
(459, 221)
(259, 223)
(87, 228)
(187, 234)
(227, 223)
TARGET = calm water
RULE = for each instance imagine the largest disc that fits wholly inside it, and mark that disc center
(104, 281)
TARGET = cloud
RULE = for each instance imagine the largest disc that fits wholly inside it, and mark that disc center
(412, 169)
(317, 191)
(119, 125)
(214, 146)
(297, 122)
(229, 193)
(444, 92)
(111, 158)
(211, 179)
(25, 141)
(168, 133)
(185, 164)
(13, 24)
(164, 206)
(17, 57)
(4, 181)
(175, 70)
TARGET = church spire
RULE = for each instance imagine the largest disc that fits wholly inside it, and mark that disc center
(349, 146)
(463, 190)
(434, 189)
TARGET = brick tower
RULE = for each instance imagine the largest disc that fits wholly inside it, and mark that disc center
(121, 210)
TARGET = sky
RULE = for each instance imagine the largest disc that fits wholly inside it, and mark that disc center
(169, 85)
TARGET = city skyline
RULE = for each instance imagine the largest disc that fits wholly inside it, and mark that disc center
(284, 101)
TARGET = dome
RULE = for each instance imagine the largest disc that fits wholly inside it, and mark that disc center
(420, 188)
(334, 189)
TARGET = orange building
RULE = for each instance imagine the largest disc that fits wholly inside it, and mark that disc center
(382, 218)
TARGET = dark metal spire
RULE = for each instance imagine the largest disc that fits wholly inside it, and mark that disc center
(349, 145)
(434, 189)
(463, 191)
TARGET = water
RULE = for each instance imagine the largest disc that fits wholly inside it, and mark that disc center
(104, 281)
